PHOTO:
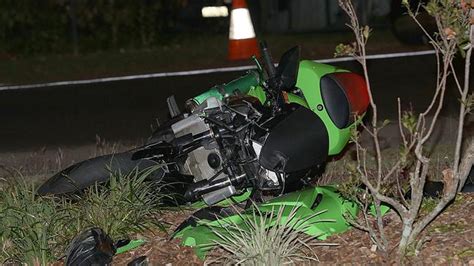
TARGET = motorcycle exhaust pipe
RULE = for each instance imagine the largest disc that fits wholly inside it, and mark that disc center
(198, 189)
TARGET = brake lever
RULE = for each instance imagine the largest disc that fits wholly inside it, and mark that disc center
(257, 63)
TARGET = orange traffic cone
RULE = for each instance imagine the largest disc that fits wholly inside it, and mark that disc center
(242, 40)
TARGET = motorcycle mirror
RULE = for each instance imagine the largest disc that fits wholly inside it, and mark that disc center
(287, 70)
(267, 59)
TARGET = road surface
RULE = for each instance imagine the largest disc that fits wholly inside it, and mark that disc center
(117, 111)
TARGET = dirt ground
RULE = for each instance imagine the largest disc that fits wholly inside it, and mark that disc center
(447, 241)
(160, 250)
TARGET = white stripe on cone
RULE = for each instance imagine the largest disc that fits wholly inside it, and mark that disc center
(241, 25)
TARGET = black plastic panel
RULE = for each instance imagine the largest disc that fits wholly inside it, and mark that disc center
(298, 142)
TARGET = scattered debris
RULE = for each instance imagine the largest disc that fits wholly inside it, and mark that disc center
(91, 247)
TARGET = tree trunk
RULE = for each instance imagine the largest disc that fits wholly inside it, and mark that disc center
(406, 235)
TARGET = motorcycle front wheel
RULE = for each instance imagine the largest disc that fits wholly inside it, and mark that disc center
(95, 170)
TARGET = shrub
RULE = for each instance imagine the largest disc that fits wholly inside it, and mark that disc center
(127, 205)
(33, 228)
(267, 239)
(37, 230)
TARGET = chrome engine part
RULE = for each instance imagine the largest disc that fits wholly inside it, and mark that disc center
(269, 176)
(204, 162)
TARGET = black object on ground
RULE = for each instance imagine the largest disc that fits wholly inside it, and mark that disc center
(91, 247)
(434, 189)
(140, 261)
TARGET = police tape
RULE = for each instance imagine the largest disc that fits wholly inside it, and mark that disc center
(201, 71)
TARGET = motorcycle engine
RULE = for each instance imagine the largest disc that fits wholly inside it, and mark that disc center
(224, 156)
(205, 162)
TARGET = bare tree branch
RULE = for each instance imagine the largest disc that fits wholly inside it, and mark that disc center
(451, 19)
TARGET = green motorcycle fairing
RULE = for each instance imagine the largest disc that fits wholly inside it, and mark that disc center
(240, 85)
(323, 201)
(320, 212)
(308, 83)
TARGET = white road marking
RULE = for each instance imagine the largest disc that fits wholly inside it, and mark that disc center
(199, 72)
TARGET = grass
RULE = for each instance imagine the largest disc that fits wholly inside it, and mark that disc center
(343, 169)
(428, 204)
(456, 227)
(37, 230)
(466, 253)
(33, 228)
(128, 205)
(267, 239)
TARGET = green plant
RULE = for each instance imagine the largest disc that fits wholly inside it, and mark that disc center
(455, 35)
(428, 204)
(455, 227)
(128, 204)
(34, 229)
(267, 239)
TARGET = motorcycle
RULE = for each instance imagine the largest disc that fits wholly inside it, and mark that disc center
(265, 133)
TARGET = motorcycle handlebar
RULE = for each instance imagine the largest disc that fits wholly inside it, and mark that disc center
(267, 58)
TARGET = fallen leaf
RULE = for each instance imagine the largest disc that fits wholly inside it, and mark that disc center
(450, 33)
(373, 248)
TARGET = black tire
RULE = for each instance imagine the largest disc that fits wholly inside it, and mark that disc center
(96, 170)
